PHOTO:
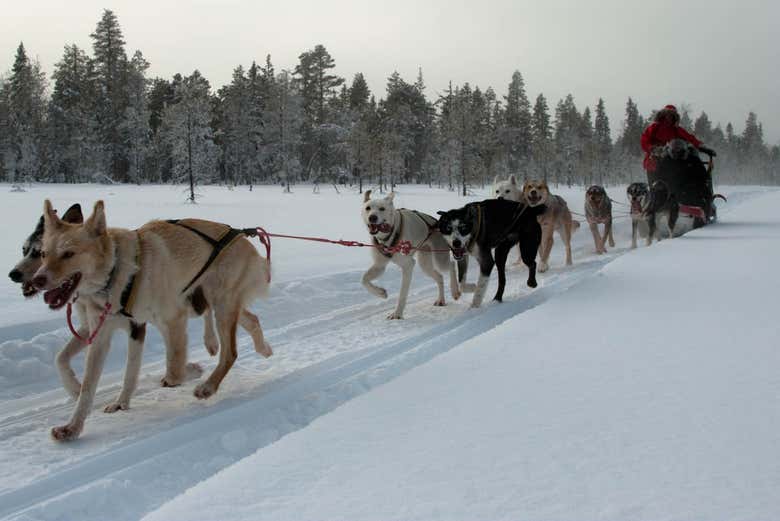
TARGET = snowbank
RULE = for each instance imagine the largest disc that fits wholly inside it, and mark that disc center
(647, 391)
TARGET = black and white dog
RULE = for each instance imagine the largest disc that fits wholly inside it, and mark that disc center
(479, 227)
(659, 203)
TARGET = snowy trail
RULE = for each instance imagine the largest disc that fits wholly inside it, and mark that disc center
(356, 349)
(331, 342)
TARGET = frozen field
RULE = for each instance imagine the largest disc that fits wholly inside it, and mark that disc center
(332, 343)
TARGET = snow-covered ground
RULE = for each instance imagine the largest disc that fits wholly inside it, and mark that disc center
(620, 387)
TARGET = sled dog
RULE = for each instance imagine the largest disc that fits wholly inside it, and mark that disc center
(389, 227)
(637, 195)
(556, 217)
(159, 274)
(23, 274)
(479, 227)
(598, 210)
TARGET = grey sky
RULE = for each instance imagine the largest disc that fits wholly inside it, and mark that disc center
(719, 56)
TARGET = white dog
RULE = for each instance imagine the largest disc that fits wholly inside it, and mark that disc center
(389, 227)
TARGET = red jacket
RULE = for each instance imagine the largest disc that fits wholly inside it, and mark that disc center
(659, 134)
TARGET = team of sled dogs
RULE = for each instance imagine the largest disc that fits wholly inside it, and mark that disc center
(167, 271)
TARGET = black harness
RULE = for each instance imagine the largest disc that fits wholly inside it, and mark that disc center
(217, 246)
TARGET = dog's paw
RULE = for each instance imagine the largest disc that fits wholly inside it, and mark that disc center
(468, 287)
(543, 266)
(194, 370)
(532, 283)
(170, 381)
(204, 390)
(212, 345)
(456, 295)
(395, 315)
(116, 406)
(381, 292)
(265, 349)
(66, 432)
(440, 302)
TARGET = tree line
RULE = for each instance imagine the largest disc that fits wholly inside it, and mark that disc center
(105, 120)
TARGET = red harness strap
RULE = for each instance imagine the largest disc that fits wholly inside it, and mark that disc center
(101, 320)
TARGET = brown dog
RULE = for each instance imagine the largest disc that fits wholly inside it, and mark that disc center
(154, 274)
(556, 217)
(598, 210)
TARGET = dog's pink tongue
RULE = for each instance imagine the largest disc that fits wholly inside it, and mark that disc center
(49, 296)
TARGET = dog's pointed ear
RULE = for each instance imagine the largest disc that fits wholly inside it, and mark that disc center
(513, 179)
(440, 212)
(74, 215)
(495, 181)
(96, 223)
(390, 196)
(366, 196)
(50, 218)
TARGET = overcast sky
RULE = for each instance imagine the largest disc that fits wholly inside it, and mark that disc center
(719, 56)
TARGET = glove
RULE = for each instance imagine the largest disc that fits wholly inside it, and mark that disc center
(707, 150)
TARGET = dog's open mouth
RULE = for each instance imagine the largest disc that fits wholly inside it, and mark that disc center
(458, 253)
(636, 206)
(59, 296)
(534, 199)
(28, 290)
(373, 229)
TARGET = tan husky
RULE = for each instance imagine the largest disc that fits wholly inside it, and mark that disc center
(556, 217)
(154, 274)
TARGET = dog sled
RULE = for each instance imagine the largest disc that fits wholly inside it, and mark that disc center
(689, 179)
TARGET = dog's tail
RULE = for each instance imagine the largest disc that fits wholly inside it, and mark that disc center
(575, 225)
(720, 196)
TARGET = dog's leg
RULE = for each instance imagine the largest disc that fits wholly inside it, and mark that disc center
(608, 232)
(426, 265)
(373, 273)
(674, 213)
(96, 356)
(486, 264)
(69, 380)
(519, 255)
(227, 321)
(594, 230)
(463, 269)
(406, 263)
(547, 244)
(650, 228)
(251, 325)
(174, 332)
(565, 231)
(135, 349)
(634, 232)
(529, 248)
(209, 335)
(454, 284)
(502, 252)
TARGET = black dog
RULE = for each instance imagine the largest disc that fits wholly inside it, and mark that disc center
(659, 201)
(477, 228)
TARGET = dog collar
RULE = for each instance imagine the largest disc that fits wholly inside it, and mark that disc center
(392, 239)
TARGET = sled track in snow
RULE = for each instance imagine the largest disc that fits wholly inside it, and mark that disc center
(180, 455)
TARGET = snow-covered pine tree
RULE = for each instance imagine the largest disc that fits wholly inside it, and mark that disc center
(26, 117)
(602, 137)
(71, 120)
(318, 87)
(111, 67)
(187, 130)
(134, 127)
(517, 131)
(542, 134)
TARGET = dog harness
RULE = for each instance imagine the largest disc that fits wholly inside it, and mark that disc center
(127, 298)
(218, 245)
